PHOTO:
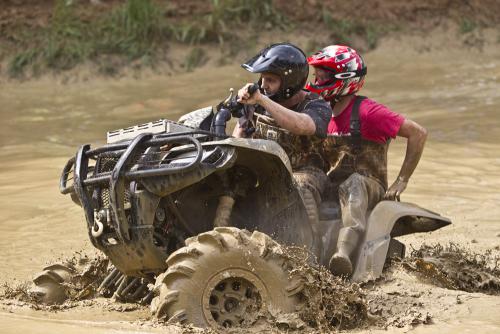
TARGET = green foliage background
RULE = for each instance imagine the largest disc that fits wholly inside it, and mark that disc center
(137, 30)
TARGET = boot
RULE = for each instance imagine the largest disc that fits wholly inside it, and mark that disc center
(341, 262)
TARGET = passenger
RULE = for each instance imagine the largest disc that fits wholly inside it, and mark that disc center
(359, 135)
(288, 114)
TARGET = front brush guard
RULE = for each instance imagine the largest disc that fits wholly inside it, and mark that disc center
(116, 179)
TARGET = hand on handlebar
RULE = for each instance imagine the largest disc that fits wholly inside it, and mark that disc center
(249, 94)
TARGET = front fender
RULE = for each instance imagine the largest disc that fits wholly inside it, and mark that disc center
(168, 184)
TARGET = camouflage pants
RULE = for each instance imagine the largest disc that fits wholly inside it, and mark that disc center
(358, 195)
(311, 182)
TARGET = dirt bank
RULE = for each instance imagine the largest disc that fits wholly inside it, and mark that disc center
(39, 38)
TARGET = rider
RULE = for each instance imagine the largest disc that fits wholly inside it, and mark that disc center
(358, 138)
(285, 112)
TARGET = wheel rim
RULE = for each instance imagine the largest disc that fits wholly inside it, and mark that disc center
(232, 298)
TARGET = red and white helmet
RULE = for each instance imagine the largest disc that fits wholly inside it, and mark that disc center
(346, 68)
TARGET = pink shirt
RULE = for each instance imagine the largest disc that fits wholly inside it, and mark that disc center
(378, 123)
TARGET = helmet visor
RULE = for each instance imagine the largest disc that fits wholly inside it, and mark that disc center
(324, 79)
(325, 87)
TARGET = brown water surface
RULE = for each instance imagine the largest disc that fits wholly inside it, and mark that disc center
(456, 96)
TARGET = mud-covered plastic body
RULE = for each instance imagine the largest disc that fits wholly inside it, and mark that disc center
(147, 191)
(143, 197)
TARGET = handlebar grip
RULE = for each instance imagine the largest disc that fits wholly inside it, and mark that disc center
(253, 88)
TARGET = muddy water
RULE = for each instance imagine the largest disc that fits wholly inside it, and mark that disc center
(456, 96)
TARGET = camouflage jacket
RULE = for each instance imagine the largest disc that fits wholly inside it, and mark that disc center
(302, 150)
(352, 154)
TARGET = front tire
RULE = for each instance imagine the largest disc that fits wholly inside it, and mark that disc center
(226, 278)
(50, 285)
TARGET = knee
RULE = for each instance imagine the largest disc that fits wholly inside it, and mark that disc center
(354, 181)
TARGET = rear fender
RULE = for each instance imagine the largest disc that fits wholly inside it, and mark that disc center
(391, 219)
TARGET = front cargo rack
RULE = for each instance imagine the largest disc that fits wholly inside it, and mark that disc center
(128, 147)
(116, 176)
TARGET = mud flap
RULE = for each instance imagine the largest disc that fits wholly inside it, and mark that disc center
(397, 249)
(403, 218)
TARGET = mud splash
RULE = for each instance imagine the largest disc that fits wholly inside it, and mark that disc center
(392, 301)
(330, 303)
(61, 283)
(81, 277)
(456, 268)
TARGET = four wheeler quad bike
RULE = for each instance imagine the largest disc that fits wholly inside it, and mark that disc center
(202, 213)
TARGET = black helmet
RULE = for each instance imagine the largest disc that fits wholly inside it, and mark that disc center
(285, 60)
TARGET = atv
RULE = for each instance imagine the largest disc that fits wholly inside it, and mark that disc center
(204, 214)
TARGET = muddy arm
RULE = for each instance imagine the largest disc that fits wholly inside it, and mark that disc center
(297, 123)
(416, 136)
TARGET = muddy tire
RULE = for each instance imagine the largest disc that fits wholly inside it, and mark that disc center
(226, 278)
(50, 285)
